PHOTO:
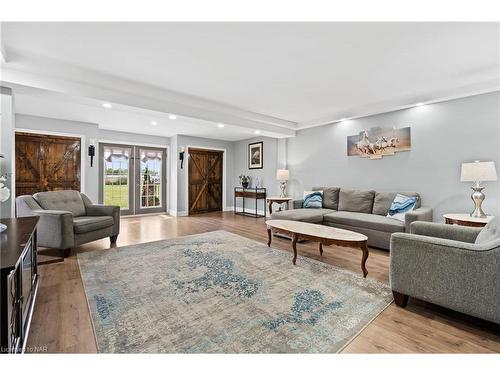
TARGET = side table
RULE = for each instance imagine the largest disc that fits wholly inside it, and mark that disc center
(279, 200)
(466, 220)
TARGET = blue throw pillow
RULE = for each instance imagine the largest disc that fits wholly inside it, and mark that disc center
(313, 199)
(400, 206)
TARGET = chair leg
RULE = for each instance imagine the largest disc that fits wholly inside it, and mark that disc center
(113, 239)
(66, 253)
(400, 299)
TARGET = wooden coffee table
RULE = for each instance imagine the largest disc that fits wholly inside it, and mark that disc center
(323, 234)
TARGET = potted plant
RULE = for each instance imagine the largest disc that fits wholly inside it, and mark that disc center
(244, 181)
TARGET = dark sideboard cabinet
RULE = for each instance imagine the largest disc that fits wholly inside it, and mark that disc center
(19, 282)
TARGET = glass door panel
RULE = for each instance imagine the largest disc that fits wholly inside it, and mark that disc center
(116, 187)
(151, 188)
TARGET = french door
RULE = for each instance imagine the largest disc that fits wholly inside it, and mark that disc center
(133, 177)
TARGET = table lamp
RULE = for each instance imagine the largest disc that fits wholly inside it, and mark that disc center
(478, 171)
(282, 175)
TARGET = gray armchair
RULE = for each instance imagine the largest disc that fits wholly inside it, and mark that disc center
(68, 218)
(452, 266)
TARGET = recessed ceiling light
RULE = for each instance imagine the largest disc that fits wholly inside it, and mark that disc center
(220, 125)
(419, 104)
(172, 117)
(154, 123)
(107, 105)
(257, 132)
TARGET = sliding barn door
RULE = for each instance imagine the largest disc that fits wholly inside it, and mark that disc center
(205, 180)
(46, 163)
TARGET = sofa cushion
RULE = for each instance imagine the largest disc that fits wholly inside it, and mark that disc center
(330, 197)
(85, 224)
(383, 201)
(363, 220)
(490, 232)
(356, 200)
(66, 200)
(308, 215)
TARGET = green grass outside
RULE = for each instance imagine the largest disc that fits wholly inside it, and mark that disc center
(115, 198)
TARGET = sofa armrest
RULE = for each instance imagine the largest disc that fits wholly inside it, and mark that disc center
(297, 203)
(420, 214)
(55, 229)
(103, 210)
(106, 210)
(447, 231)
(453, 274)
(25, 205)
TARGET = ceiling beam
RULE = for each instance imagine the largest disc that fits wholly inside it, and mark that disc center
(114, 90)
(380, 108)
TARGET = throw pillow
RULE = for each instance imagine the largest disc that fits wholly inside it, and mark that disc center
(400, 206)
(313, 199)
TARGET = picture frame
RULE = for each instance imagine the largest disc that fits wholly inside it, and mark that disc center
(256, 155)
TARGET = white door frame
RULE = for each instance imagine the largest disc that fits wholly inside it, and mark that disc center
(186, 189)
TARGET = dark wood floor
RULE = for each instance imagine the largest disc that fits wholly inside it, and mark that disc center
(61, 320)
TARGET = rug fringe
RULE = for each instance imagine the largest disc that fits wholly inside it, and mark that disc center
(88, 305)
(362, 329)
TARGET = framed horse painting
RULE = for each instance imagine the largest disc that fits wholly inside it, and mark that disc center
(378, 142)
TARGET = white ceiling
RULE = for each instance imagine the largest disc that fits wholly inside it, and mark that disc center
(293, 74)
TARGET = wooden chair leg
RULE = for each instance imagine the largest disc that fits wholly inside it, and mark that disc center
(400, 299)
(66, 253)
(113, 239)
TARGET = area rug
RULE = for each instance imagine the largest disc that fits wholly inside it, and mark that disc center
(218, 292)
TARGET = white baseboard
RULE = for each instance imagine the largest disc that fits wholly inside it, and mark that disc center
(177, 213)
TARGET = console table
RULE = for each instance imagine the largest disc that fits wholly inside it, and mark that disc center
(255, 194)
(19, 281)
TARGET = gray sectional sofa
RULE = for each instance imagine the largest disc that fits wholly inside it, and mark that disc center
(362, 211)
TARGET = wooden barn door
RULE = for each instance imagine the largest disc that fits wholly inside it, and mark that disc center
(205, 180)
(46, 163)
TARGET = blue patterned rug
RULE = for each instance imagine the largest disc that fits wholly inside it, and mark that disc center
(218, 292)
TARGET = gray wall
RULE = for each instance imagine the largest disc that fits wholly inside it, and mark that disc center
(273, 153)
(90, 132)
(443, 136)
(185, 141)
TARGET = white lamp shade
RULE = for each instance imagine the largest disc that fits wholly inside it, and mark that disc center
(282, 174)
(478, 171)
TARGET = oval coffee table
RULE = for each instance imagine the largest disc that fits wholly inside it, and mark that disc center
(325, 235)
